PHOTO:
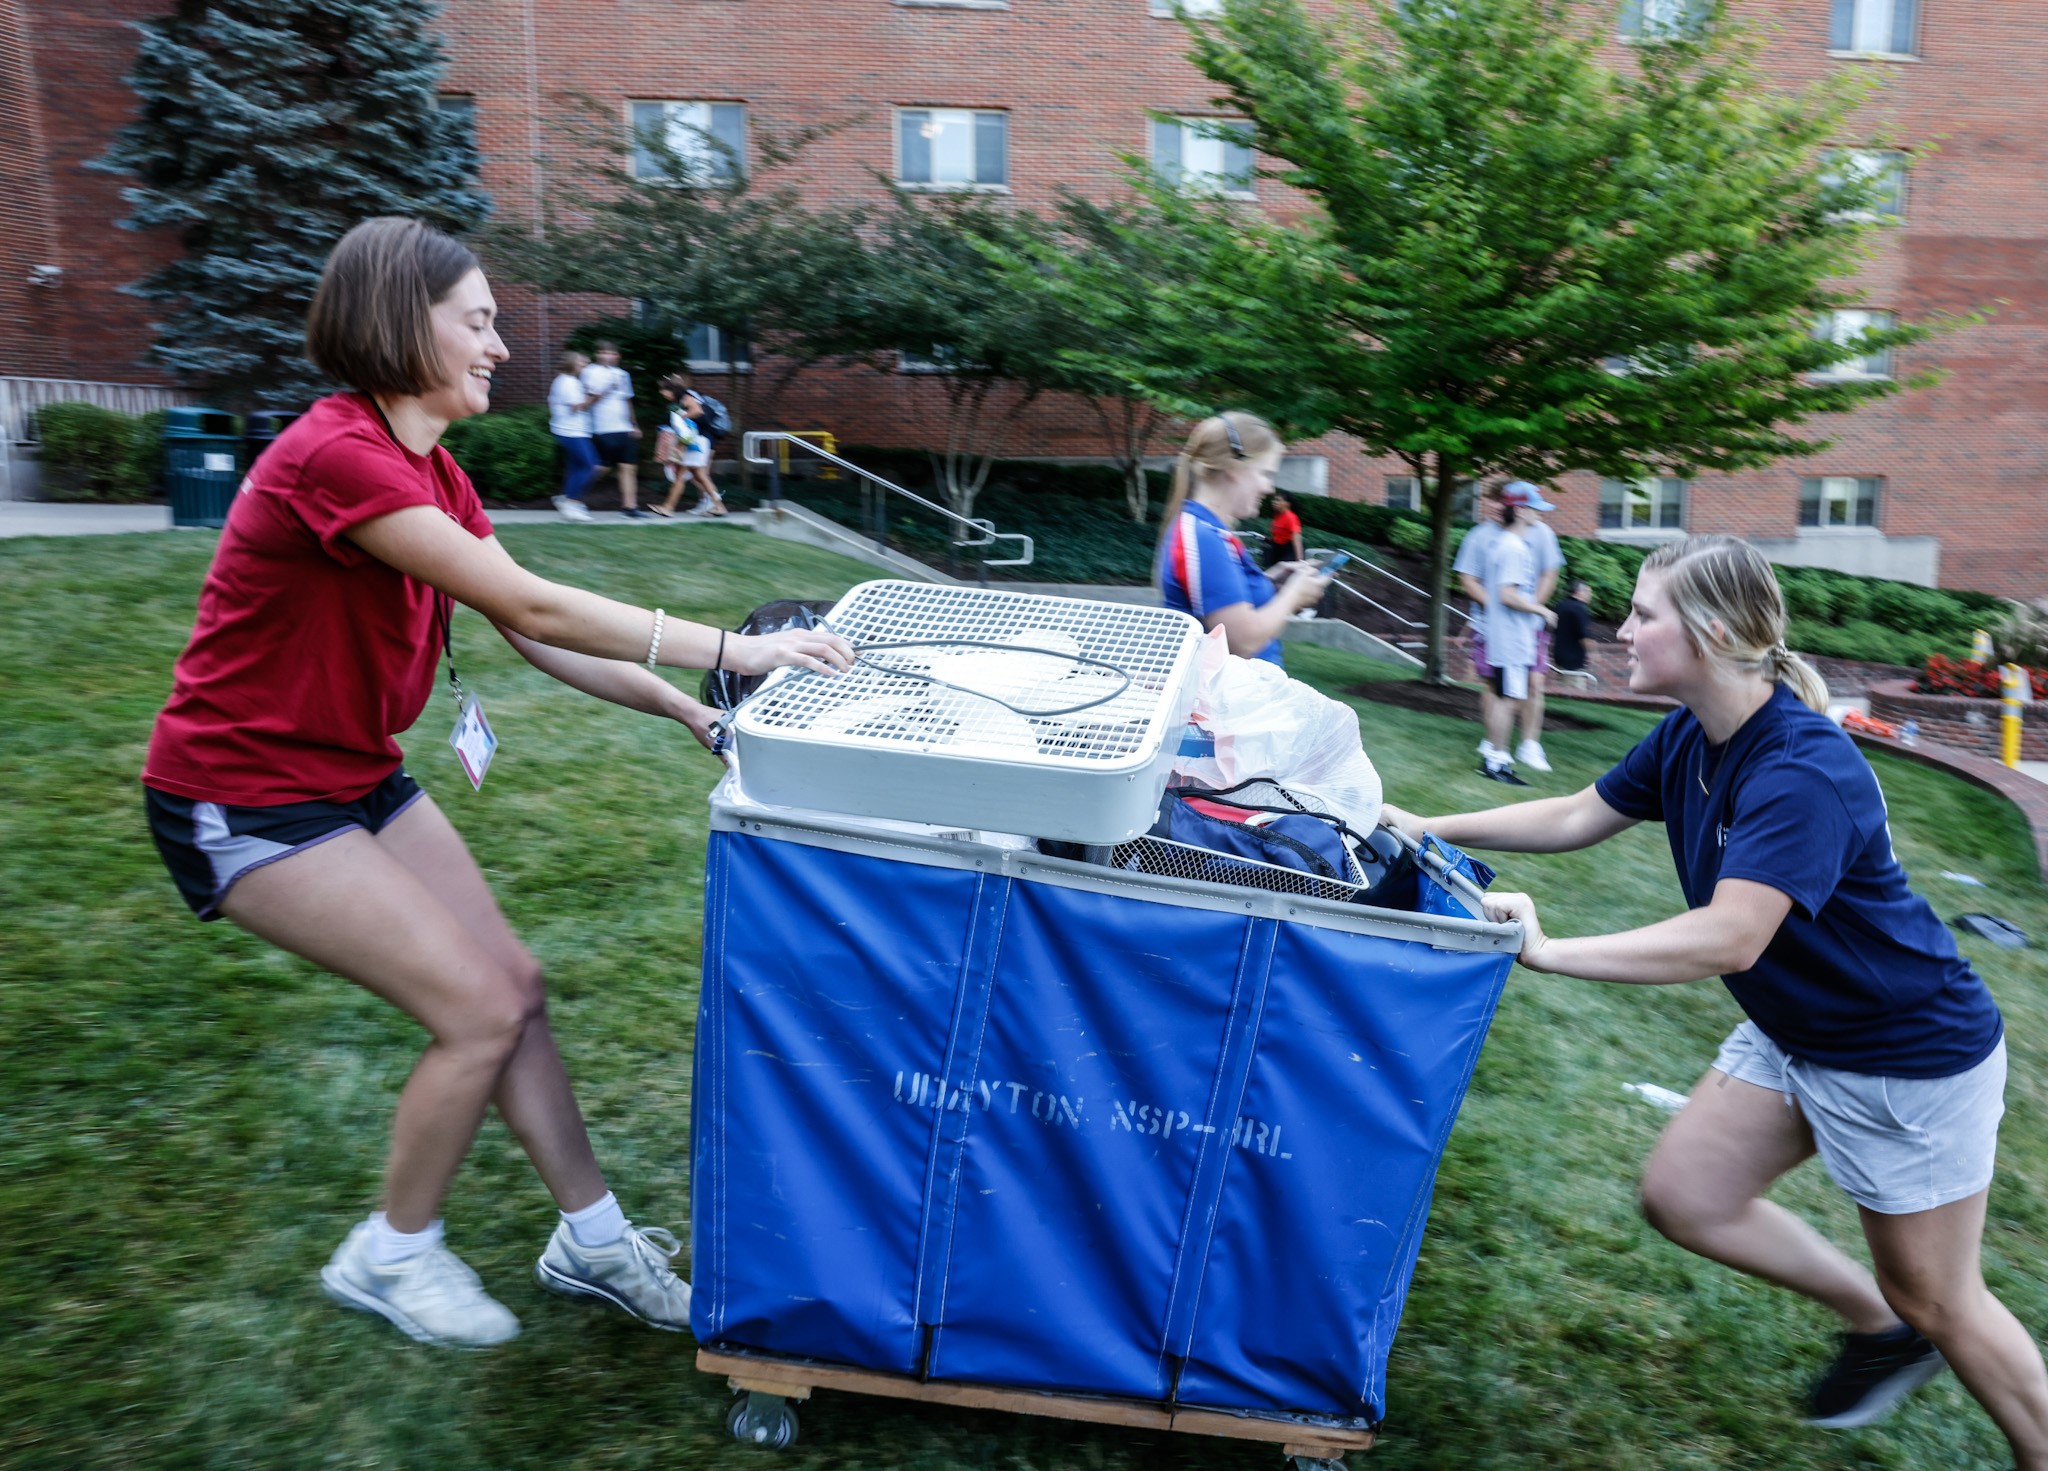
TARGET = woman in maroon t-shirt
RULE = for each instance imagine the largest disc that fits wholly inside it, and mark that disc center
(275, 790)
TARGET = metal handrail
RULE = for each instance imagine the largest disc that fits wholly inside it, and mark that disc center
(984, 533)
(1376, 567)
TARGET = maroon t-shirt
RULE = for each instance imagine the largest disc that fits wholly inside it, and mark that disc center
(309, 655)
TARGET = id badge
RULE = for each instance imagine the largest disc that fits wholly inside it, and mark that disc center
(473, 741)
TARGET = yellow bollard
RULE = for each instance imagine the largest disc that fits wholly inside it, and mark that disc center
(1980, 648)
(2017, 691)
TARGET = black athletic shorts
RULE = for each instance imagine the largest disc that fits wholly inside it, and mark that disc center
(616, 449)
(207, 846)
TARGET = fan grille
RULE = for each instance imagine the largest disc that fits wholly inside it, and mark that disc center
(882, 704)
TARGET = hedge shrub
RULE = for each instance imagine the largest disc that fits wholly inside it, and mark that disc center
(115, 456)
(507, 453)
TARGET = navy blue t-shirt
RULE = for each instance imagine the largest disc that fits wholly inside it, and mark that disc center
(1861, 976)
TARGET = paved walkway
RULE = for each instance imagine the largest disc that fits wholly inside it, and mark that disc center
(49, 518)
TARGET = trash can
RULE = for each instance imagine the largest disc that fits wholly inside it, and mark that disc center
(201, 471)
(980, 1125)
(258, 430)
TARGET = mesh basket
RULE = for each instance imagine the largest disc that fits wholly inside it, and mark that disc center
(1169, 859)
(1173, 859)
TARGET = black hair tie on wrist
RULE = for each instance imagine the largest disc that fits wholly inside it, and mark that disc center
(719, 663)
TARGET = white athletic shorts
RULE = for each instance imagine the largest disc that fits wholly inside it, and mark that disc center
(1896, 1145)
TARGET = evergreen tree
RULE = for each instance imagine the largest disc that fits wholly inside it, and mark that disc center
(267, 130)
(1510, 257)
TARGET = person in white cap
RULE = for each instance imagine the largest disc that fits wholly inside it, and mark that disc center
(1514, 617)
(1470, 566)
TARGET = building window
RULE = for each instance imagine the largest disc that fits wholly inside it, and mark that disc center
(1404, 492)
(952, 148)
(1838, 501)
(1654, 504)
(713, 350)
(706, 141)
(1192, 7)
(1664, 20)
(1879, 173)
(1204, 155)
(1845, 328)
(461, 111)
(1873, 27)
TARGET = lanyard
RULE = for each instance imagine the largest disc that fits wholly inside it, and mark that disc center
(444, 605)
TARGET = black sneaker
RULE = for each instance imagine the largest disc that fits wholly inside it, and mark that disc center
(633, 513)
(1870, 1375)
(1505, 775)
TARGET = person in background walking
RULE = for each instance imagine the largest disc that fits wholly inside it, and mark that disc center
(613, 431)
(1283, 538)
(1470, 567)
(1513, 618)
(1224, 471)
(697, 454)
(1574, 627)
(685, 450)
(569, 421)
(278, 798)
(1869, 1040)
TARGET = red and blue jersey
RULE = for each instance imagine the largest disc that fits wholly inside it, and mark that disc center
(1204, 569)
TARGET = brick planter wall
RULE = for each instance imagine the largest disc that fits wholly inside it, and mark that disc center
(1968, 725)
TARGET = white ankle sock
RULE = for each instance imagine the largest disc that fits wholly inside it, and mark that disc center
(598, 1224)
(388, 1247)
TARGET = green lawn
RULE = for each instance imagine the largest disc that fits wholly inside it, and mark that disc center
(190, 1120)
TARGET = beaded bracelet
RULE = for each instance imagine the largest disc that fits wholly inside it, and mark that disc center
(654, 644)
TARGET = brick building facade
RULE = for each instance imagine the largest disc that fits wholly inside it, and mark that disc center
(1935, 485)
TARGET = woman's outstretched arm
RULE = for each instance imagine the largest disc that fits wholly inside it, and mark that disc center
(424, 542)
(1553, 825)
(1722, 937)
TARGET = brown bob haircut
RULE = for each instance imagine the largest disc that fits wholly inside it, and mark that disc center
(369, 325)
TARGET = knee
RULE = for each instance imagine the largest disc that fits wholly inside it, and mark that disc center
(495, 1021)
(1676, 1208)
(1935, 1308)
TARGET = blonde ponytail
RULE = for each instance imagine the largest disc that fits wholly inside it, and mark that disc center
(1729, 600)
(1215, 444)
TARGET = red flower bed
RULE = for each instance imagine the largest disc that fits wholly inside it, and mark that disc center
(1971, 680)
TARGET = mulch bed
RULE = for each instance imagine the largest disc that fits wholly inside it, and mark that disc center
(1459, 701)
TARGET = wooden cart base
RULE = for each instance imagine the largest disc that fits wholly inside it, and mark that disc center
(789, 1379)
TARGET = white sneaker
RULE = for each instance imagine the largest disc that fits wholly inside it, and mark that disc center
(571, 508)
(632, 1274)
(1530, 754)
(1491, 754)
(433, 1296)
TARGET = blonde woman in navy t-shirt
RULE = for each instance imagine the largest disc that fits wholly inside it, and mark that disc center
(1869, 1039)
(276, 794)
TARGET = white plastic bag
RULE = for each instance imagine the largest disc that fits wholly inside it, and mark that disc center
(1266, 725)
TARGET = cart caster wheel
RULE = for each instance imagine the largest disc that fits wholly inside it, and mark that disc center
(765, 1420)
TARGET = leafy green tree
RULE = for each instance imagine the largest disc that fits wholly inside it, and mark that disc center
(267, 131)
(695, 234)
(1506, 256)
(930, 297)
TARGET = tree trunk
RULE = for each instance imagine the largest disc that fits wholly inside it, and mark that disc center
(1441, 506)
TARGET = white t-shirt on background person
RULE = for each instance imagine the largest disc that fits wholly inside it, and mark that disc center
(566, 414)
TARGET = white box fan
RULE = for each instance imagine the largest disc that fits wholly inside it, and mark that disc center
(980, 709)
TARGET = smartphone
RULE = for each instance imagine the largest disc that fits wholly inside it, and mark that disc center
(1336, 560)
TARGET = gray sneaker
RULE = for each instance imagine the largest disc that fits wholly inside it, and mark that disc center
(432, 1297)
(632, 1274)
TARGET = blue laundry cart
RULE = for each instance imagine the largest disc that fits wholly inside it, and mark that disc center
(990, 1128)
